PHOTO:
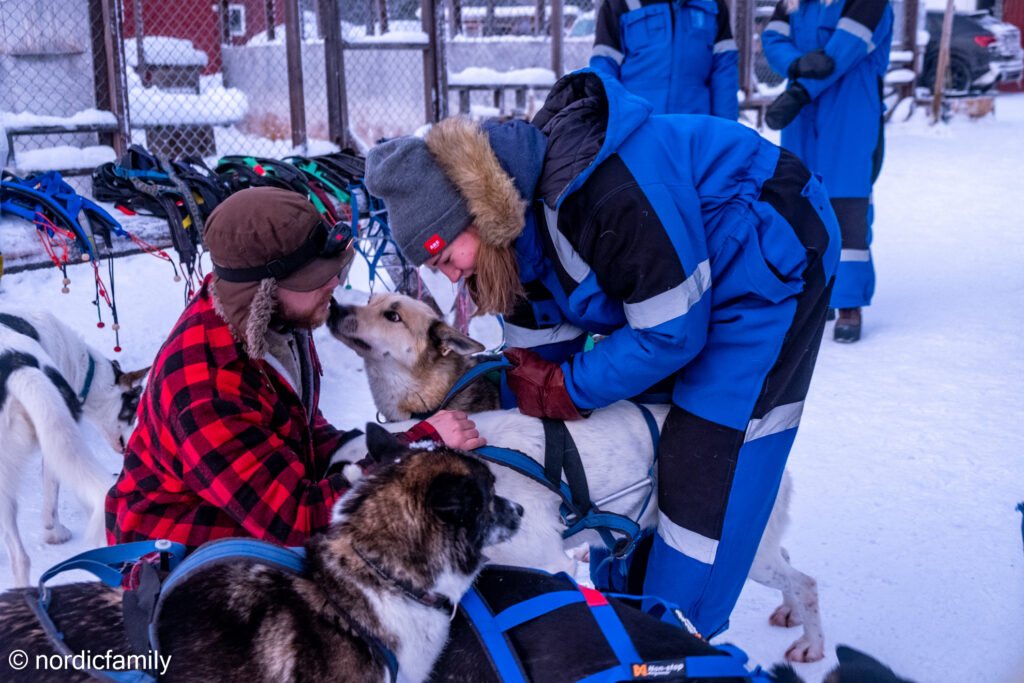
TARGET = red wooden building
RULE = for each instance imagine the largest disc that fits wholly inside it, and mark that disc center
(207, 23)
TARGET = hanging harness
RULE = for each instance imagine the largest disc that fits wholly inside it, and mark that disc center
(142, 607)
(57, 211)
(183, 192)
(493, 632)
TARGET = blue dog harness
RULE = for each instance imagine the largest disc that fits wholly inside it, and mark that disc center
(492, 629)
(107, 565)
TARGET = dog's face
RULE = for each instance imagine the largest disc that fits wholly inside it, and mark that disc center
(396, 329)
(431, 511)
(112, 402)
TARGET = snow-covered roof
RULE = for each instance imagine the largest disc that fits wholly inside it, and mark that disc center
(26, 119)
(164, 51)
(536, 77)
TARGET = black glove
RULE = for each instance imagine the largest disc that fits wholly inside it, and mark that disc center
(814, 64)
(786, 106)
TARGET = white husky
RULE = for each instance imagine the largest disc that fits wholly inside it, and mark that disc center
(413, 357)
(49, 379)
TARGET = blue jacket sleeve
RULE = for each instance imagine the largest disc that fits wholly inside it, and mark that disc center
(777, 43)
(664, 286)
(607, 54)
(725, 74)
(863, 26)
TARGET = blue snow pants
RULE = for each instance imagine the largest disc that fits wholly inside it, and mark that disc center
(717, 483)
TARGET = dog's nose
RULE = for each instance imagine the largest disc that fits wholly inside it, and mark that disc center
(337, 314)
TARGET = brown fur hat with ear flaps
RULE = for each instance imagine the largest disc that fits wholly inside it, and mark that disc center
(463, 151)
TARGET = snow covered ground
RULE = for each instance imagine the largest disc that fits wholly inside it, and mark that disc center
(908, 463)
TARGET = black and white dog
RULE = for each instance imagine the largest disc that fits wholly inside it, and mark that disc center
(404, 545)
(412, 358)
(49, 380)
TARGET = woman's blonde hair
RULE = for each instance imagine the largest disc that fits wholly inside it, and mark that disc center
(495, 286)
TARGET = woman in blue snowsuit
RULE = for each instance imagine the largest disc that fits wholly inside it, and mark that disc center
(704, 253)
(836, 54)
(679, 55)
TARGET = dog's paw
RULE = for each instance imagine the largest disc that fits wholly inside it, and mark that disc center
(784, 616)
(581, 553)
(58, 534)
(805, 650)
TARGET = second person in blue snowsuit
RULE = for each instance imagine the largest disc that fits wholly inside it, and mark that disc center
(702, 252)
(679, 55)
(835, 54)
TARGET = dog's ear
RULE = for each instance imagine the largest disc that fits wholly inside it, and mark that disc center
(130, 379)
(447, 339)
(382, 445)
(455, 498)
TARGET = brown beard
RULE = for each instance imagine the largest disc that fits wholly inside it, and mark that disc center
(309, 320)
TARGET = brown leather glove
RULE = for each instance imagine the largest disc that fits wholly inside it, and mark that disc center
(539, 386)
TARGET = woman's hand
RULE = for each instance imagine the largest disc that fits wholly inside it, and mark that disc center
(456, 429)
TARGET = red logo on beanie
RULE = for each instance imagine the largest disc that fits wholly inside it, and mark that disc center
(434, 244)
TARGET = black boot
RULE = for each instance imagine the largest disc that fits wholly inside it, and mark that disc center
(847, 329)
(831, 315)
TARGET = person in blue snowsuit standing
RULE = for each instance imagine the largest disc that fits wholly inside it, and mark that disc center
(703, 252)
(835, 54)
(679, 55)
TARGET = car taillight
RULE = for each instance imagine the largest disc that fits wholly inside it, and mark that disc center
(984, 41)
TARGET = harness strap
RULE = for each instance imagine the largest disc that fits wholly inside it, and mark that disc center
(531, 608)
(561, 455)
(472, 375)
(103, 562)
(57, 642)
(291, 560)
(190, 201)
(15, 190)
(495, 643)
(614, 632)
(88, 379)
(523, 464)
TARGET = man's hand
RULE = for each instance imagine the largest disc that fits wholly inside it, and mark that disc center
(456, 430)
(539, 386)
(786, 106)
(814, 64)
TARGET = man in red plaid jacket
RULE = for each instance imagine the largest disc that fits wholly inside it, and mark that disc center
(230, 441)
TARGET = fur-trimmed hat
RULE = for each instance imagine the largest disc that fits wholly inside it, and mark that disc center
(460, 173)
(250, 229)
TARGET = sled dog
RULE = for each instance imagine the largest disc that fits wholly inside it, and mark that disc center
(50, 379)
(412, 358)
(403, 546)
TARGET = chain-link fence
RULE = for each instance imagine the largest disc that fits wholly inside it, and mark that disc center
(263, 77)
(56, 92)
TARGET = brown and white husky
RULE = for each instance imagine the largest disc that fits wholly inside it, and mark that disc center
(404, 545)
(412, 358)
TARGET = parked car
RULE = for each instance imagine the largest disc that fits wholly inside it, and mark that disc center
(584, 26)
(983, 51)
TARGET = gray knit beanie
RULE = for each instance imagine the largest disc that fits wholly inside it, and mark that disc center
(425, 210)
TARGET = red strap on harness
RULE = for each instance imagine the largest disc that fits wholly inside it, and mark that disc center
(594, 598)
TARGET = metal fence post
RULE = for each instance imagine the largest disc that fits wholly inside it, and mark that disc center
(117, 86)
(940, 68)
(431, 91)
(334, 63)
(296, 92)
(557, 29)
(744, 23)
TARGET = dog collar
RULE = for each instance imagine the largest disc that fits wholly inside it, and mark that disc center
(439, 602)
(88, 379)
